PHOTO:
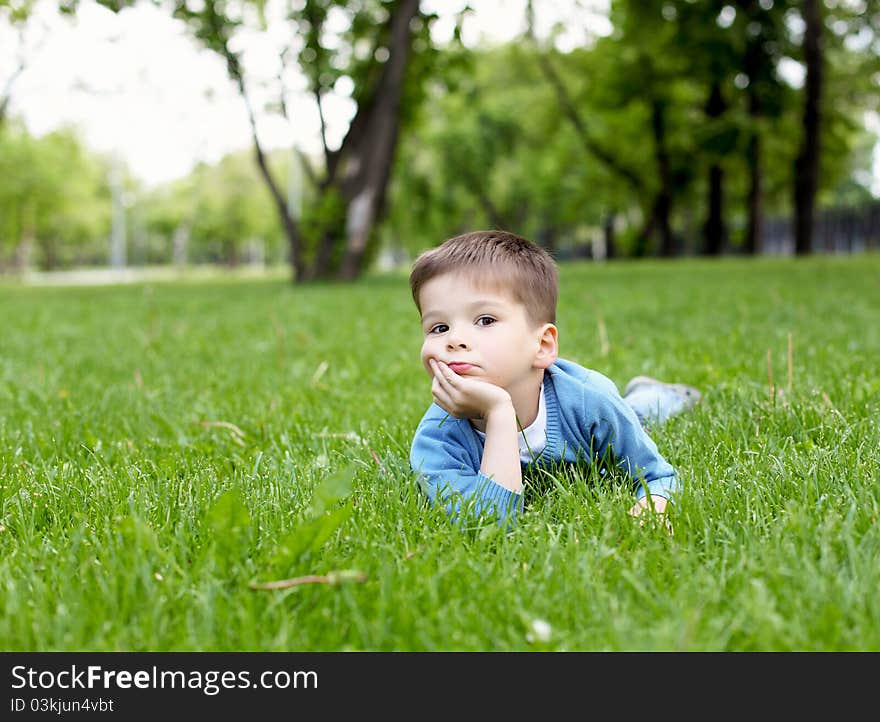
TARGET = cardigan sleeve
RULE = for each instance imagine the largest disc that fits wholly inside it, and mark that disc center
(617, 434)
(448, 473)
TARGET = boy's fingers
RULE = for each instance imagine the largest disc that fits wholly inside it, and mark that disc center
(440, 393)
(447, 373)
(444, 403)
(442, 378)
(439, 381)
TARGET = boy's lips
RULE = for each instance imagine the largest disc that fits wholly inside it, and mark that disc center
(460, 367)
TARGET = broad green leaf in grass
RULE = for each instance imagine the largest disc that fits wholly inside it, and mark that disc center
(319, 525)
(308, 537)
(230, 525)
(330, 490)
(135, 535)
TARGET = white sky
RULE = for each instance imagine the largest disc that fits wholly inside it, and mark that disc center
(137, 85)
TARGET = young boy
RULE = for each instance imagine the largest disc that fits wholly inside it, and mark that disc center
(502, 397)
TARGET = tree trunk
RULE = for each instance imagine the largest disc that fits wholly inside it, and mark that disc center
(367, 153)
(663, 200)
(323, 260)
(50, 254)
(547, 235)
(6, 96)
(179, 244)
(230, 254)
(713, 230)
(23, 254)
(806, 169)
(754, 240)
(608, 231)
(291, 227)
(754, 65)
(361, 215)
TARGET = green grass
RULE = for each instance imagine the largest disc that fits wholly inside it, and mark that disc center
(127, 524)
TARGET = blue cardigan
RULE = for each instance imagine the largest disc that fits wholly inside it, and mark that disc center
(586, 420)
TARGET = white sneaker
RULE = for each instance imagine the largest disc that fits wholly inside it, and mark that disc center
(689, 394)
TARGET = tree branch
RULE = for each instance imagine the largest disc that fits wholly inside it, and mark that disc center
(304, 160)
(320, 104)
(290, 226)
(568, 108)
(6, 98)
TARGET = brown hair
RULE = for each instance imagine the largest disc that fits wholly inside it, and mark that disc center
(499, 258)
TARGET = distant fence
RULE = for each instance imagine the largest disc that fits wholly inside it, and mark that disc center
(836, 230)
(850, 229)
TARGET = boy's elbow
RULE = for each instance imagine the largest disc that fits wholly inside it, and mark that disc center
(471, 508)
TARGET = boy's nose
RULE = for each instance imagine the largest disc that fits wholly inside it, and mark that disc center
(455, 341)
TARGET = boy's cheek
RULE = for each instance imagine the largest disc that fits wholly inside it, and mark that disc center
(425, 356)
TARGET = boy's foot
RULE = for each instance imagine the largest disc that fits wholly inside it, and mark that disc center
(689, 394)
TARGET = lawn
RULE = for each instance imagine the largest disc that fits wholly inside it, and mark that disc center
(166, 446)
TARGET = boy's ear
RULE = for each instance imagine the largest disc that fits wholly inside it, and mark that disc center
(548, 346)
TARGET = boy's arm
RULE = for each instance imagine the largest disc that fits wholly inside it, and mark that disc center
(501, 450)
(448, 469)
(469, 398)
(451, 467)
(617, 429)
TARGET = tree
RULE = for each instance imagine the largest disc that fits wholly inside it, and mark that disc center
(383, 51)
(705, 41)
(806, 180)
(760, 28)
(488, 149)
(54, 200)
(841, 54)
(632, 57)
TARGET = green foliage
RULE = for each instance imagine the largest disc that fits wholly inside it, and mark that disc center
(489, 150)
(16, 12)
(485, 140)
(336, 40)
(493, 145)
(54, 199)
(225, 210)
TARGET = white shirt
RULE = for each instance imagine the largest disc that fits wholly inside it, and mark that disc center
(533, 438)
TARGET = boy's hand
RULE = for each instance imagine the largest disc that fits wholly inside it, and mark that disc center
(463, 397)
(658, 506)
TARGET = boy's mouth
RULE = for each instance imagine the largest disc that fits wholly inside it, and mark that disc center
(460, 368)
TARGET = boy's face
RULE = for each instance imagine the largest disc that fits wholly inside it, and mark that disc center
(480, 331)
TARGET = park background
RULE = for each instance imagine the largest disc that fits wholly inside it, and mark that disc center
(209, 370)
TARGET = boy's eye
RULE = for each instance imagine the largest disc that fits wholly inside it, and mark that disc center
(485, 321)
(439, 328)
